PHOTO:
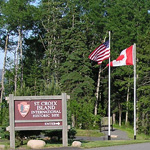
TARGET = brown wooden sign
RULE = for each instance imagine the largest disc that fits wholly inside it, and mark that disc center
(29, 124)
(38, 113)
(38, 110)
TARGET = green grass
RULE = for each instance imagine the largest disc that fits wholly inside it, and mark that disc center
(89, 133)
(94, 144)
(5, 142)
(130, 132)
(46, 146)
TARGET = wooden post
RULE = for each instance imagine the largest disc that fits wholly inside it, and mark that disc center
(11, 119)
(64, 117)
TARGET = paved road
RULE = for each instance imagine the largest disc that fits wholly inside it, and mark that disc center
(62, 148)
(142, 146)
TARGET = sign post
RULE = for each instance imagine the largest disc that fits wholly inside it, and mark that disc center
(38, 113)
(11, 121)
(64, 131)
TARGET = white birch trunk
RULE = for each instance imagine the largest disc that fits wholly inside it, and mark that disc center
(127, 107)
(114, 118)
(21, 55)
(97, 89)
(120, 114)
(16, 65)
(97, 92)
(4, 64)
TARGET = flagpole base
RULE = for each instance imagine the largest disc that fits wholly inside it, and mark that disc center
(134, 137)
(109, 138)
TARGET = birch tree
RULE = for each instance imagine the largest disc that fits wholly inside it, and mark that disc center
(4, 65)
(18, 18)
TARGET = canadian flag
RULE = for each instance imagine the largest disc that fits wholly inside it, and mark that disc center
(125, 58)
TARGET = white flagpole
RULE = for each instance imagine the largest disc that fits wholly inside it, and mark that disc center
(134, 56)
(109, 137)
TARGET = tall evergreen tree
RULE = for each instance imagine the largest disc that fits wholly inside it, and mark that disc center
(76, 70)
(143, 77)
(128, 21)
(52, 16)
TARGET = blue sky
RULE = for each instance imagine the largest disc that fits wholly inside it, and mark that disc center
(2, 57)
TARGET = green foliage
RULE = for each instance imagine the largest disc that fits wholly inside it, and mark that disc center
(3, 133)
(24, 91)
(51, 88)
(89, 133)
(72, 133)
(86, 120)
(58, 37)
(13, 19)
(22, 135)
(93, 144)
(58, 133)
(52, 134)
(128, 22)
(4, 120)
(143, 84)
(4, 117)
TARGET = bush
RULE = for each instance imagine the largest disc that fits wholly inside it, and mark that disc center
(58, 133)
(3, 133)
(71, 133)
(21, 135)
(52, 134)
(4, 120)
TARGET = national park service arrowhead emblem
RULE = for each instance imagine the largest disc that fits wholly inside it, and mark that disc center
(23, 108)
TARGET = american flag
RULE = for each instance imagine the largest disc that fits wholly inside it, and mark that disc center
(101, 53)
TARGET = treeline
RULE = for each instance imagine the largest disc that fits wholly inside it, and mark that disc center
(51, 42)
